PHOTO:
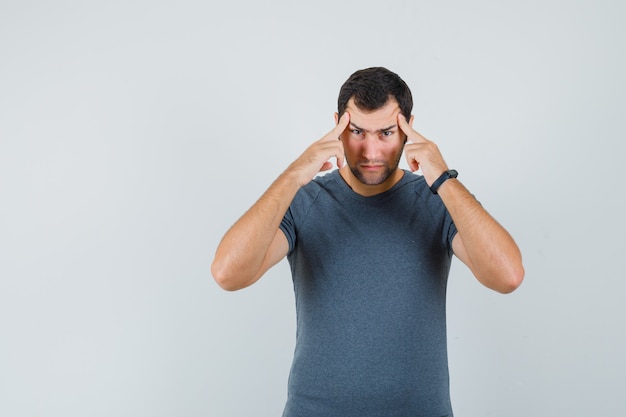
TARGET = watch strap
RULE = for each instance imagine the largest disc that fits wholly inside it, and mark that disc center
(451, 173)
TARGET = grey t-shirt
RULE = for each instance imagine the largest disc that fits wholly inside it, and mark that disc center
(370, 276)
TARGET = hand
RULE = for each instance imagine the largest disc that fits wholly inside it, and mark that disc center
(422, 153)
(316, 157)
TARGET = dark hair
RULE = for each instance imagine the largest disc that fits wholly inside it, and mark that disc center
(371, 89)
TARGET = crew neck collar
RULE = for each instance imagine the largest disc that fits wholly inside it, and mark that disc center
(404, 179)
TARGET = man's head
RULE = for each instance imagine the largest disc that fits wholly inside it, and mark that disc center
(372, 88)
(373, 141)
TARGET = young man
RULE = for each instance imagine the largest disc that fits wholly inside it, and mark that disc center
(370, 248)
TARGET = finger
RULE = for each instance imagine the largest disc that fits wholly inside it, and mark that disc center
(340, 156)
(342, 124)
(326, 166)
(334, 149)
(344, 120)
(412, 134)
(404, 125)
(325, 150)
(413, 164)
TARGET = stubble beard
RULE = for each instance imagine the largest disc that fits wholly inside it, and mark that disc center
(380, 178)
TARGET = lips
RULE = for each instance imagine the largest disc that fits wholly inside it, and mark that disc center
(367, 167)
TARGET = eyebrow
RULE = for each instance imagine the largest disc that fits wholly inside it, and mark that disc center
(379, 130)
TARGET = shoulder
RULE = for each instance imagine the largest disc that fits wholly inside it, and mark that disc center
(421, 193)
(322, 184)
(415, 180)
(417, 185)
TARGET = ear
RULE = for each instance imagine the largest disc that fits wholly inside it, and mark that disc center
(336, 118)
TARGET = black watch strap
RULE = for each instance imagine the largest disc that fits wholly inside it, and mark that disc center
(451, 173)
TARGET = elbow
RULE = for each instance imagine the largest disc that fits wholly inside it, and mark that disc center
(223, 277)
(512, 280)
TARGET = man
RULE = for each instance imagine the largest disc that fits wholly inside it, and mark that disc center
(370, 248)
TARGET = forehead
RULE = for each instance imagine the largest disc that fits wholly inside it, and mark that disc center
(372, 120)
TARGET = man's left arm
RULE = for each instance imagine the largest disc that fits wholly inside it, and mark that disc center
(481, 242)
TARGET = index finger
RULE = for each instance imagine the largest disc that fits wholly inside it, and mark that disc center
(342, 124)
(412, 134)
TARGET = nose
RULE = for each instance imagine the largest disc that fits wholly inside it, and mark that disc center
(370, 150)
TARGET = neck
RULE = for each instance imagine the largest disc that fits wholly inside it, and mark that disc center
(367, 190)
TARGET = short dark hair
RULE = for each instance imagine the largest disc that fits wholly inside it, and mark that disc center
(371, 89)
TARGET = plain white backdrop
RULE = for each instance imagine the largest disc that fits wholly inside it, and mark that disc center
(134, 133)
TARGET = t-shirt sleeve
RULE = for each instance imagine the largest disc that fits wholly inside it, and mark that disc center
(449, 230)
(439, 214)
(288, 227)
(297, 212)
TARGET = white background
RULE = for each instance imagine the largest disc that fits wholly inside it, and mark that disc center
(134, 133)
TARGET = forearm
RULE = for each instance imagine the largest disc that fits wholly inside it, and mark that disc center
(254, 244)
(243, 250)
(490, 251)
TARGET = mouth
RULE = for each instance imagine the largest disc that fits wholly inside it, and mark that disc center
(371, 167)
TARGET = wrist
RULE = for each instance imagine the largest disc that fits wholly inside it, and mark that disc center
(449, 174)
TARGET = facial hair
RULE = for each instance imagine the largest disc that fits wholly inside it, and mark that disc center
(388, 170)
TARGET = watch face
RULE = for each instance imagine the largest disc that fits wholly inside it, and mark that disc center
(453, 173)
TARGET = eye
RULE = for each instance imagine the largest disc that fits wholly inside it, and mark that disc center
(387, 133)
(356, 131)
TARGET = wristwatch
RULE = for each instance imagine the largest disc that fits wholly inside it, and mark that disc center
(451, 173)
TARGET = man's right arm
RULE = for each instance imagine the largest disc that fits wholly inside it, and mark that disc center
(255, 242)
